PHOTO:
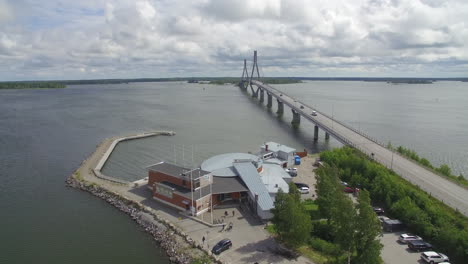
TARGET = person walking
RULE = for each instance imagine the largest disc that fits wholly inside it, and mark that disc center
(203, 240)
(233, 213)
(225, 214)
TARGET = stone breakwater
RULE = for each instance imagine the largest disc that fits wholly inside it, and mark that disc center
(176, 244)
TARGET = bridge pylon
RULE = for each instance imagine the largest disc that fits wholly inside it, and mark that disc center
(254, 66)
(245, 80)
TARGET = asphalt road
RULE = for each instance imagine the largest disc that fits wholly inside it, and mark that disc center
(440, 188)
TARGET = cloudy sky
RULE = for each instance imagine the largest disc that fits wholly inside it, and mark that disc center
(85, 39)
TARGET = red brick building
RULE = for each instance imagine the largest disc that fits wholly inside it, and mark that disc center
(191, 190)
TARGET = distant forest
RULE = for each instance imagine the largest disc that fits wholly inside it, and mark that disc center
(30, 85)
(214, 80)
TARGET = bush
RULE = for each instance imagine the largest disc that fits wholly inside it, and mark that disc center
(322, 229)
(324, 246)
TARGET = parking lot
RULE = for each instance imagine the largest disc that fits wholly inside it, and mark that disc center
(394, 253)
(306, 174)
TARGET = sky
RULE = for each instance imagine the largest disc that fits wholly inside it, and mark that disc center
(95, 39)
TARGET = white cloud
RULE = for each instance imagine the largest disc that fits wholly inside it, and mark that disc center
(6, 12)
(51, 39)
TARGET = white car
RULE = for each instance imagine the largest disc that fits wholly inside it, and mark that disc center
(291, 171)
(314, 113)
(302, 187)
(303, 190)
(434, 257)
(404, 238)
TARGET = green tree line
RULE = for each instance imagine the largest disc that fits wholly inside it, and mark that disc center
(445, 228)
(30, 85)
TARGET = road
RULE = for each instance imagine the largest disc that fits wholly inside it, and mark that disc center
(448, 192)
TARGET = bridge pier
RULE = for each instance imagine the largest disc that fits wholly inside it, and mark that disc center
(280, 107)
(327, 136)
(243, 85)
(270, 100)
(296, 117)
(316, 130)
(262, 95)
(254, 94)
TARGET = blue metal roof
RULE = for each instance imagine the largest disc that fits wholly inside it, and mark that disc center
(251, 178)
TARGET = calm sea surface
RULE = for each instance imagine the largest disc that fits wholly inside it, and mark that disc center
(45, 134)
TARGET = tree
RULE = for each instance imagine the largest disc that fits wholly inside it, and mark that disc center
(367, 229)
(292, 222)
(326, 187)
(343, 221)
(294, 192)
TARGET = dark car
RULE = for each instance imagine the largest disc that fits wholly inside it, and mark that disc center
(221, 246)
(419, 245)
(378, 210)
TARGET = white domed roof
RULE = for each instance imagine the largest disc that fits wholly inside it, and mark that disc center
(221, 165)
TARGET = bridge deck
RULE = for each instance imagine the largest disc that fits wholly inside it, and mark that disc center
(439, 187)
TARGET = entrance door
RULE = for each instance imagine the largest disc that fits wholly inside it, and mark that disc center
(224, 197)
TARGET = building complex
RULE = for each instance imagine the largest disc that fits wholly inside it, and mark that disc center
(249, 179)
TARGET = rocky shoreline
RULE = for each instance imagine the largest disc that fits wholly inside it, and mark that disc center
(179, 247)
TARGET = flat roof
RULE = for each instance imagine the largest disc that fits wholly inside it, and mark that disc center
(273, 177)
(176, 170)
(273, 146)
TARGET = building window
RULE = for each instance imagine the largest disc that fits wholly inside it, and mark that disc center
(196, 184)
(164, 190)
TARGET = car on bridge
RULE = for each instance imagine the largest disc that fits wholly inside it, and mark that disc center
(314, 113)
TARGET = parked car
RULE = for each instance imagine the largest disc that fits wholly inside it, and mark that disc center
(317, 161)
(291, 171)
(343, 183)
(314, 113)
(405, 238)
(419, 245)
(304, 190)
(434, 257)
(221, 246)
(382, 218)
(378, 210)
(302, 187)
(350, 189)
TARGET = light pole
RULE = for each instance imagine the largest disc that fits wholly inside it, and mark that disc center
(391, 165)
(332, 117)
